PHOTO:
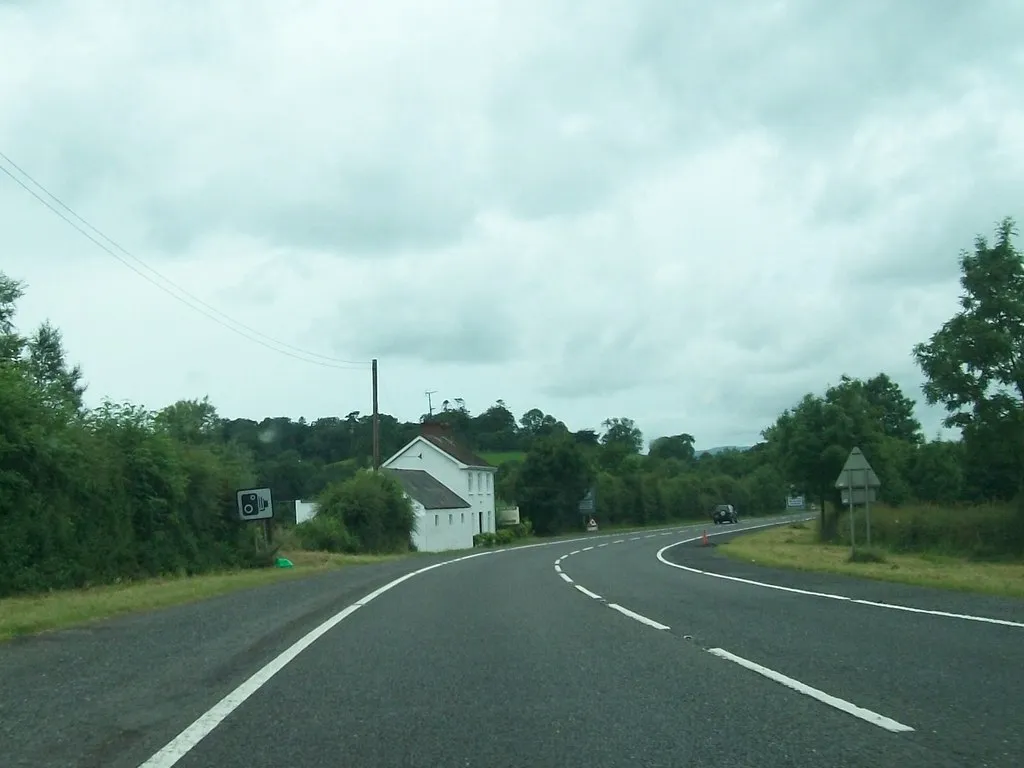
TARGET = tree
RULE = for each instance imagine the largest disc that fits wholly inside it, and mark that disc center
(974, 363)
(373, 509)
(190, 421)
(47, 365)
(537, 424)
(803, 440)
(623, 433)
(11, 343)
(553, 479)
(673, 447)
(975, 359)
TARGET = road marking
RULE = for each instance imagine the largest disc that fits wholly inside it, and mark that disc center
(602, 545)
(828, 595)
(558, 568)
(587, 592)
(635, 538)
(183, 743)
(586, 549)
(565, 577)
(638, 617)
(618, 541)
(651, 536)
(574, 552)
(833, 701)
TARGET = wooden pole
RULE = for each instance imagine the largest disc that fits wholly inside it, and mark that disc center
(376, 420)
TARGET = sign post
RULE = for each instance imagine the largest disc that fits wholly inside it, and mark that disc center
(588, 506)
(256, 504)
(858, 484)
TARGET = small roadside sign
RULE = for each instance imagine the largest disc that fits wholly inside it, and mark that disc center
(255, 504)
(857, 473)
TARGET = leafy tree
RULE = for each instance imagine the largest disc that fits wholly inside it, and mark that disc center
(553, 479)
(673, 447)
(47, 364)
(373, 509)
(622, 433)
(974, 364)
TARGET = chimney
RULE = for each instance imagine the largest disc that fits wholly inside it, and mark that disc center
(435, 428)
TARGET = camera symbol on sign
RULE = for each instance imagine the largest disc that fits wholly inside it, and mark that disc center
(252, 504)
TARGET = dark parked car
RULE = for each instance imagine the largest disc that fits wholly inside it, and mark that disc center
(725, 513)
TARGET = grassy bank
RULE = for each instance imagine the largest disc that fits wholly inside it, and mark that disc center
(497, 458)
(796, 546)
(59, 610)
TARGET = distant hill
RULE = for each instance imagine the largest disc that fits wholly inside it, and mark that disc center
(720, 448)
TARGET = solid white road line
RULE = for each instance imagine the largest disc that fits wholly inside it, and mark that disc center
(828, 595)
(565, 577)
(587, 592)
(183, 743)
(841, 704)
(638, 617)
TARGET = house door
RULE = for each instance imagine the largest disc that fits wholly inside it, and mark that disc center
(480, 516)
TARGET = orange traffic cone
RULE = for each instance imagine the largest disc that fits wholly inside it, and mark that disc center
(704, 539)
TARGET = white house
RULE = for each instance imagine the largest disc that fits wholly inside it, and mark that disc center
(444, 520)
(467, 475)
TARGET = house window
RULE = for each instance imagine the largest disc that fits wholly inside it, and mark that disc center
(450, 516)
(470, 476)
(436, 519)
(463, 517)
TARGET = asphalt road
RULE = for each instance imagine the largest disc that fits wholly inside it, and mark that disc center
(499, 660)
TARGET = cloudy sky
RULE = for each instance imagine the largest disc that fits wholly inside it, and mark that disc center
(688, 213)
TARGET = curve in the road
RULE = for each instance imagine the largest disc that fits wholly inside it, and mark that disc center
(184, 742)
(842, 705)
(828, 595)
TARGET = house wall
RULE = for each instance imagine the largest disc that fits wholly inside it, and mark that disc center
(478, 489)
(474, 485)
(439, 530)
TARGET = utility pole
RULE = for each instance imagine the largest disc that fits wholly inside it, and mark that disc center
(376, 419)
(430, 405)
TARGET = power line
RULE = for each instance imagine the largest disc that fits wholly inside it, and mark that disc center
(187, 298)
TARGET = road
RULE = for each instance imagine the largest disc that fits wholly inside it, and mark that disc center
(618, 657)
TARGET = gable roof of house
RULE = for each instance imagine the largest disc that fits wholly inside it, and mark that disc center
(428, 490)
(458, 452)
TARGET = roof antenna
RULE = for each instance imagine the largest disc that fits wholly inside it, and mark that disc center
(430, 403)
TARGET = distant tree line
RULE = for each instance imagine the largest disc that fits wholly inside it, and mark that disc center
(90, 496)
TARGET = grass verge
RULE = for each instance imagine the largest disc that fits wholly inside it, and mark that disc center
(797, 548)
(32, 614)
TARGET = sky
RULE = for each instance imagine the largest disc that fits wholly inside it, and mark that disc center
(685, 213)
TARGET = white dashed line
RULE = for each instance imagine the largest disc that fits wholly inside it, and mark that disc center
(574, 552)
(833, 701)
(586, 549)
(638, 617)
(618, 541)
(558, 568)
(602, 545)
(587, 592)
(565, 577)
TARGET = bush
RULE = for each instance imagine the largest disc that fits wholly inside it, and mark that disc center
(373, 511)
(504, 535)
(324, 533)
(981, 531)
